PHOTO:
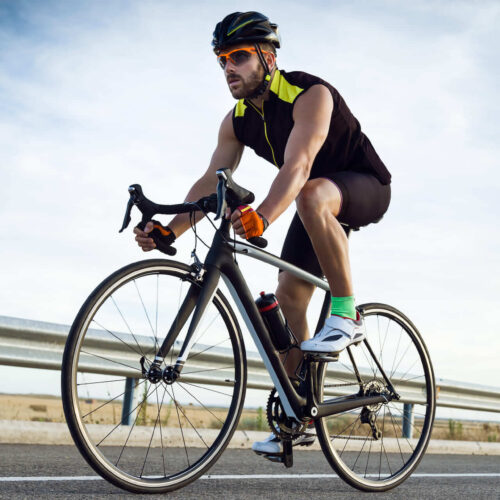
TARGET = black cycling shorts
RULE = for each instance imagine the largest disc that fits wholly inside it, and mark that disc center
(364, 201)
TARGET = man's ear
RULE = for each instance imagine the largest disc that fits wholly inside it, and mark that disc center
(270, 60)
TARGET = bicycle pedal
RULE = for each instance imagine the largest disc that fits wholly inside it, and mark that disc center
(287, 453)
(272, 458)
(328, 358)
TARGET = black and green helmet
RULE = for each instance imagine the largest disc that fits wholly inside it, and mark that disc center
(244, 27)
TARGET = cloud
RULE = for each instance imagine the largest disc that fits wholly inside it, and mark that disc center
(95, 96)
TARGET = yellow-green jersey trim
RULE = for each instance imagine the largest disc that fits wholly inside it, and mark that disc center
(284, 90)
(240, 108)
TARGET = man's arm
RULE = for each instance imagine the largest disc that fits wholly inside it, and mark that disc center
(312, 114)
(227, 154)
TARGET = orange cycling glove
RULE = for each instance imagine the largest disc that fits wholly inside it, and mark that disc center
(253, 223)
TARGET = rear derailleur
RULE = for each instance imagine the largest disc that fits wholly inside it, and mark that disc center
(370, 417)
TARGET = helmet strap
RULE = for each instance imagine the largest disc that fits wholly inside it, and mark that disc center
(267, 75)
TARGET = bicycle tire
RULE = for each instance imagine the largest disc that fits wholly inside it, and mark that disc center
(153, 457)
(346, 441)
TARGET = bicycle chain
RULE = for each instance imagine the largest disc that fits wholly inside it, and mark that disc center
(354, 438)
(341, 385)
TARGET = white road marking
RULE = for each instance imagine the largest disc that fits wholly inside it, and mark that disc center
(245, 476)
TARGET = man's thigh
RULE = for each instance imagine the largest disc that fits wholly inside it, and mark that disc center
(364, 200)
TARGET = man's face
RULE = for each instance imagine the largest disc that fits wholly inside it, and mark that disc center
(244, 78)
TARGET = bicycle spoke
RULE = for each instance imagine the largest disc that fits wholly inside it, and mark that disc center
(207, 370)
(207, 389)
(116, 337)
(127, 325)
(144, 308)
(205, 330)
(361, 450)
(179, 420)
(362, 458)
(383, 344)
(189, 422)
(396, 353)
(104, 404)
(119, 424)
(408, 370)
(201, 404)
(153, 433)
(207, 349)
(412, 378)
(370, 362)
(155, 388)
(101, 382)
(406, 350)
(111, 360)
(385, 451)
(406, 418)
(368, 458)
(396, 435)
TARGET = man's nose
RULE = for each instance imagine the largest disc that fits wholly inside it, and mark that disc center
(229, 68)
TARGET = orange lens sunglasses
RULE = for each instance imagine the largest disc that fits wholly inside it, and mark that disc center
(237, 56)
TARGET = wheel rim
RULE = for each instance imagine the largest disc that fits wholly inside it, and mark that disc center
(174, 430)
(366, 460)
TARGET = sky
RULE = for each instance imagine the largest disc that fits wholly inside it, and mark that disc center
(95, 96)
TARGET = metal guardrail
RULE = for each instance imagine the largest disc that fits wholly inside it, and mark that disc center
(36, 344)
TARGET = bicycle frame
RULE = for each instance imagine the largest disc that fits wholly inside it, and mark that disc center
(220, 263)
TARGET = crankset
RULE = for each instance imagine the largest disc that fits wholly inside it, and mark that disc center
(283, 427)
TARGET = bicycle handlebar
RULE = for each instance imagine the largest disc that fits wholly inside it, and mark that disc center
(228, 194)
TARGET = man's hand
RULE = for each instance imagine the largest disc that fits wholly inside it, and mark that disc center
(246, 222)
(143, 238)
(155, 235)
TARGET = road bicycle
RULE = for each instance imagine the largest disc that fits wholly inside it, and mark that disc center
(166, 330)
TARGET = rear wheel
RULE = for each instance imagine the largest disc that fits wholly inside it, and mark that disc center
(141, 435)
(377, 447)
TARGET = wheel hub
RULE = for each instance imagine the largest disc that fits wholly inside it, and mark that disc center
(374, 388)
(170, 375)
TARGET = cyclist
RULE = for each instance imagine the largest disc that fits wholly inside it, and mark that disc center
(302, 125)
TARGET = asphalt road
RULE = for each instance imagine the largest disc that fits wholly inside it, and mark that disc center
(438, 476)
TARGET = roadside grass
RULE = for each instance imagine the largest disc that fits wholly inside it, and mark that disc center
(49, 409)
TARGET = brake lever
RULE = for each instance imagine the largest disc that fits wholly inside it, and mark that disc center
(127, 218)
(221, 198)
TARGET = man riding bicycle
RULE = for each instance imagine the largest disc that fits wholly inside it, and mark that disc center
(302, 125)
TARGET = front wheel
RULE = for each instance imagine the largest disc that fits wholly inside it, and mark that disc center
(143, 435)
(376, 448)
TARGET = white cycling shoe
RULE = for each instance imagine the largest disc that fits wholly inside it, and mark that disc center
(337, 334)
(273, 445)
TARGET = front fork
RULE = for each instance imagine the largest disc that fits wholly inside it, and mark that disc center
(199, 295)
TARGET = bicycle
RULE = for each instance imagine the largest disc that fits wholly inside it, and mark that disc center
(193, 378)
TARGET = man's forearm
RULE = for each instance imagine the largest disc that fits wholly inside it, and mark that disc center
(202, 187)
(285, 188)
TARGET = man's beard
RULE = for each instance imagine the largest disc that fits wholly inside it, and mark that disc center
(249, 86)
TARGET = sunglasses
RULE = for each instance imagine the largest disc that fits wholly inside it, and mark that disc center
(237, 56)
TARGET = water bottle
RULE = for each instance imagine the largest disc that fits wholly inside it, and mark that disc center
(276, 324)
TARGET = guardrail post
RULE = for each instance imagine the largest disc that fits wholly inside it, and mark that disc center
(408, 420)
(128, 414)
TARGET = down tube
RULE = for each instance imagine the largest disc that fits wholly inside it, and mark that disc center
(292, 402)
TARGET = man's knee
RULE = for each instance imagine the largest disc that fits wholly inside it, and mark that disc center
(309, 199)
(316, 197)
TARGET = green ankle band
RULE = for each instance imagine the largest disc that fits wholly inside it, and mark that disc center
(344, 306)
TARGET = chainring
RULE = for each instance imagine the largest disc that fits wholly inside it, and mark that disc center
(282, 426)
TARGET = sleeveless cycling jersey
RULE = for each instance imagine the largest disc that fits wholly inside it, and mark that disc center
(266, 131)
